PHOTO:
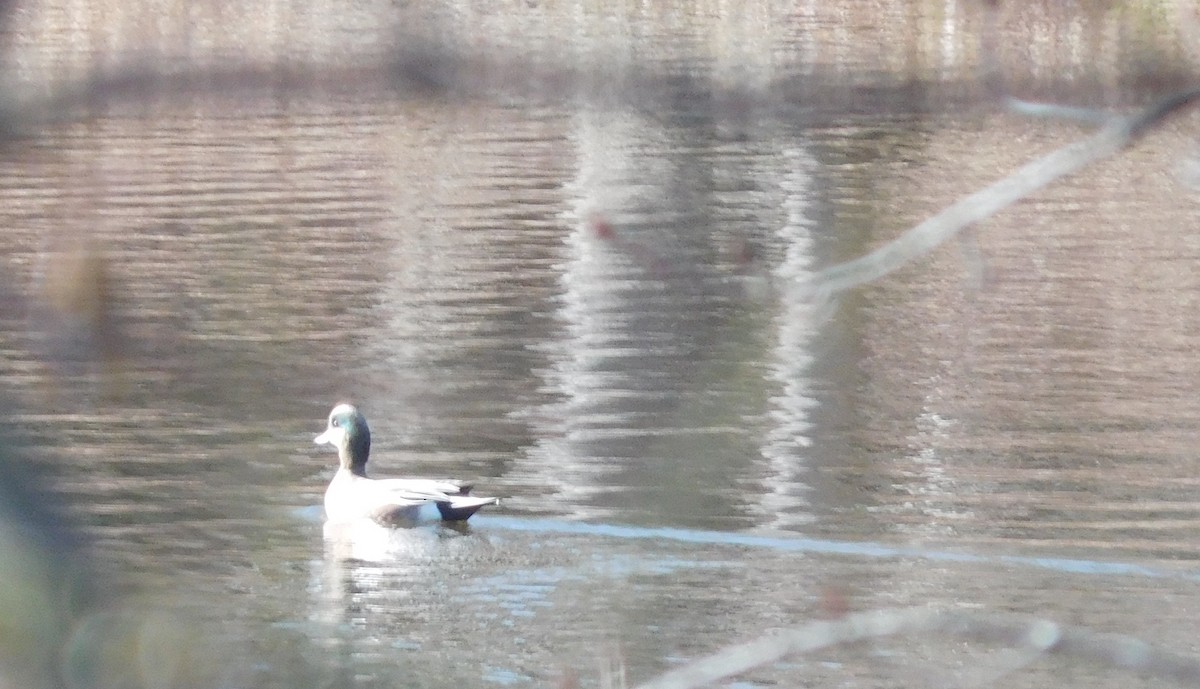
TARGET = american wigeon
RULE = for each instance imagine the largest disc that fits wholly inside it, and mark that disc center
(352, 496)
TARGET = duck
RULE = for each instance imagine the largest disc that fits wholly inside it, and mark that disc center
(353, 496)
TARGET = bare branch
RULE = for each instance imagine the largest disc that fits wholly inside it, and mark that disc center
(1032, 635)
(1052, 110)
(1119, 133)
(428, 68)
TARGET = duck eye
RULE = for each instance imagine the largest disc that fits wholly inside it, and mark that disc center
(335, 423)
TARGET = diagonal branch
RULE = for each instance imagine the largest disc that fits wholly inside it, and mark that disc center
(1035, 635)
(1118, 134)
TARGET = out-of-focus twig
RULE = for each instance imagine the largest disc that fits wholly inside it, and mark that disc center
(428, 68)
(1119, 133)
(1055, 111)
(1033, 635)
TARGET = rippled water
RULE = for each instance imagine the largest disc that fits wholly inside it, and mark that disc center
(585, 309)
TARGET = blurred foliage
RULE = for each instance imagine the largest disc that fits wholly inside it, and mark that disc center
(46, 583)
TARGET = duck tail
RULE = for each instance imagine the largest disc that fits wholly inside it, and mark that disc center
(461, 507)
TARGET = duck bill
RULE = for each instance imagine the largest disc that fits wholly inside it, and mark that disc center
(325, 438)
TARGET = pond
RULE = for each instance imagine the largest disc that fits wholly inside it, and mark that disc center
(583, 303)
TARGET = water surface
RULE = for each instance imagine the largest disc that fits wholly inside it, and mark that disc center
(584, 308)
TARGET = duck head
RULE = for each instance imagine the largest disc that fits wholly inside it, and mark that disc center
(347, 431)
